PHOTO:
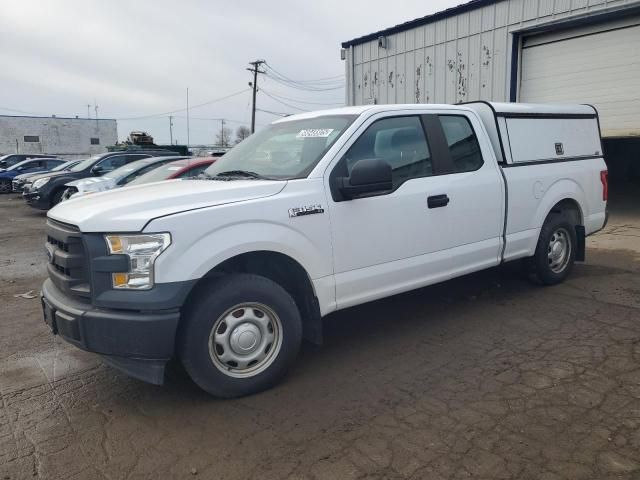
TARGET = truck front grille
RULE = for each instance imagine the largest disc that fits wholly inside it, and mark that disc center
(68, 262)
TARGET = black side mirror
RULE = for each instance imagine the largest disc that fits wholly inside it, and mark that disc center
(367, 176)
(3, 163)
(97, 171)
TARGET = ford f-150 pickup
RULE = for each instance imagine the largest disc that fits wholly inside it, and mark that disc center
(230, 271)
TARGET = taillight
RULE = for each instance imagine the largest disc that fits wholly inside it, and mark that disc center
(604, 178)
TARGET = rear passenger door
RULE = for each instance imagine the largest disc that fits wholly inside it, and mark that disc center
(473, 219)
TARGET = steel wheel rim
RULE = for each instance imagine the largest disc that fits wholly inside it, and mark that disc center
(5, 187)
(245, 340)
(559, 250)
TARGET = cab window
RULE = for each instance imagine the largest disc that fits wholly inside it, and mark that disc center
(462, 142)
(399, 141)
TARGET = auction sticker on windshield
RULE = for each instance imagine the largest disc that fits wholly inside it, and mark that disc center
(314, 133)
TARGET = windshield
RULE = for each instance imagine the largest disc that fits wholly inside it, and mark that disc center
(86, 163)
(158, 174)
(20, 164)
(125, 170)
(284, 150)
(63, 166)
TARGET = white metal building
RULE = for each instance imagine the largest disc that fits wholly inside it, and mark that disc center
(578, 51)
(66, 137)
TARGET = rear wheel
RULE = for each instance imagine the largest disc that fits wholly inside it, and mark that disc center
(555, 251)
(240, 335)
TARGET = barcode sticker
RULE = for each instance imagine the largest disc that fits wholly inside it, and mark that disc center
(314, 133)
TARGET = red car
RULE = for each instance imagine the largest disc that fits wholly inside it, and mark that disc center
(186, 168)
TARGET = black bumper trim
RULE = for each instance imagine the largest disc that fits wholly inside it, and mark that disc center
(150, 371)
(139, 343)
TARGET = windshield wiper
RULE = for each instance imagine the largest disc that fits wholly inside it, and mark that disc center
(238, 173)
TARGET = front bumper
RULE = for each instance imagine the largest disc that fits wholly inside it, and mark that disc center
(17, 186)
(138, 343)
(35, 200)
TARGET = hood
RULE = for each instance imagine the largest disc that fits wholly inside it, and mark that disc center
(34, 176)
(129, 209)
(92, 185)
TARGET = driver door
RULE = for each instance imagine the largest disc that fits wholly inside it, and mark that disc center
(381, 242)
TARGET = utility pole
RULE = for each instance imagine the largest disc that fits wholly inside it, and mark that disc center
(222, 142)
(88, 110)
(171, 130)
(256, 70)
(188, 138)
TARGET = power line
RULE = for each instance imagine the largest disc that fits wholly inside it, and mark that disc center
(323, 85)
(280, 114)
(284, 103)
(333, 79)
(302, 101)
(183, 109)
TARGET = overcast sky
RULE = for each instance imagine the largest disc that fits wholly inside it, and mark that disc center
(137, 58)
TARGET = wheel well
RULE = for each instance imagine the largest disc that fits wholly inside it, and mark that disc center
(571, 208)
(287, 273)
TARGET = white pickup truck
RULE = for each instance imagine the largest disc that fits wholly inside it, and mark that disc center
(315, 213)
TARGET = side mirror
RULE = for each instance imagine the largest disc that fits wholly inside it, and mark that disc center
(98, 170)
(367, 176)
(3, 163)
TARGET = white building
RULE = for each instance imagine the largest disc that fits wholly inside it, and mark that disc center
(66, 137)
(579, 51)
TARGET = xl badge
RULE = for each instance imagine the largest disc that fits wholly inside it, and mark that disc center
(308, 210)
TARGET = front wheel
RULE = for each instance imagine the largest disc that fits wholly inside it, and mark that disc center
(57, 197)
(5, 186)
(555, 252)
(240, 335)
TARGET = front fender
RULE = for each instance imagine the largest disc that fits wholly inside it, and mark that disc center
(197, 259)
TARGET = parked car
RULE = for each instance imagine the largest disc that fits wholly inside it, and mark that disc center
(319, 212)
(178, 169)
(117, 178)
(19, 181)
(10, 160)
(46, 191)
(34, 165)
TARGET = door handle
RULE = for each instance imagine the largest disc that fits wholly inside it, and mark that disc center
(437, 201)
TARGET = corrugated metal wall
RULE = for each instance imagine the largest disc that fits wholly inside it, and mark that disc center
(457, 59)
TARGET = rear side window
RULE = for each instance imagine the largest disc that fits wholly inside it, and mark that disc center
(112, 163)
(400, 142)
(463, 143)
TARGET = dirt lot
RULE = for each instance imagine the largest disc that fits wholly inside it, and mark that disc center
(482, 377)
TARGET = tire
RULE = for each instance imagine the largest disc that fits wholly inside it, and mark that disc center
(5, 186)
(555, 251)
(56, 198)
(232, 313)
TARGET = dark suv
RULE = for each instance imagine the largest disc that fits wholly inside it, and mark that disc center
(46, 191)
(10, 160)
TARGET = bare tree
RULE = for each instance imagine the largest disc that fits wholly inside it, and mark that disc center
(223, 137)
(242, 132)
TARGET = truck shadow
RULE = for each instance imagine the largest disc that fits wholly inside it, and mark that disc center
(350, 335)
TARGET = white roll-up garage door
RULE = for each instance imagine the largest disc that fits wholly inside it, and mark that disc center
(599, 64)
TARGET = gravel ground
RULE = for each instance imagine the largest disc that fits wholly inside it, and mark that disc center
(486, 376)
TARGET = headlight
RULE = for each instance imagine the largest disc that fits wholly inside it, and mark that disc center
(142, 251)
(40, 182)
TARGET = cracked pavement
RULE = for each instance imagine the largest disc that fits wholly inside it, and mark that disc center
(485, 377)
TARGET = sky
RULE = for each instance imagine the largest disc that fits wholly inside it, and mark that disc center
(135, 60)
